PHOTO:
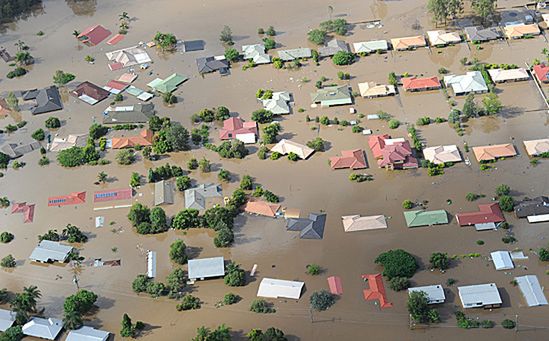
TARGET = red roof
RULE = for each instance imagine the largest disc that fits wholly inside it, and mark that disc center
(413, 83)
(115, 40)
(94, 35)
(117, 85)
(26, 209)
(353, 159)
(395, 153)
(74, 198)
(376, 290)
(377, 143)
(334, 282)
(488, 213)
(145, 138)
(234, 126)
(112, 194)
(541, 72)
(262, 208)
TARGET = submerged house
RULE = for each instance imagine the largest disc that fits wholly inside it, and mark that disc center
(129, 114)
(332, 47)
(129, 56)
(26, 209)
(202, 268)
(332, 95)
(442, 154)
(425, 218)
(278, 104)
(494, 152)
(353, 159)
(278, 288)
(531, 290)
(260, 207)
(285, 147)
(90, 93)
(168, 84)
(510, 75)
(86, 333)
(408, 43)
(237, 128)
(145, 138)
(372, 46)
(420, 84)
(256, 53)
(93, 35)
(535, 210)
(443, 38)
(373, 90)
(47, 100)
(480, 34)
(471, 82)
(196, 197)
(518, 31)
(74, 198)
(48, 251)
(352, 223)
(392, 153)
(541, 71)
(43, 328)
(310, 228)
(7, 319)
(435, 293)
(502, 260)
(163, 193)
(292, 54)
(212, 64)
(480, 296)
(536, 147)
(487, 214)
(16, 150)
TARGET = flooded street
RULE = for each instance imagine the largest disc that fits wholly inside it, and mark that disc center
(310, 185)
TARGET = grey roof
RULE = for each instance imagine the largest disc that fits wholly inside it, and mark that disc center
(472, 81)
(86, 333)
(210, 64)
(311, 227)
(47, 100)
(206, 267)
(137, 113)
(43, 328)
(473, 296)
(48, 251)
(531, 290)
(332, 95)
(332, 47)
(16, 150)
(478, 33)
(193, 45)
(29, 94)
(278, 104)
(7, 318)
(256, 53)
(435, 293)
(163, 193)
(288, 55)
(530, 207)
(196, 197)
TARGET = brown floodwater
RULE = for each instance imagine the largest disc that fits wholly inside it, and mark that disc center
(309, 185)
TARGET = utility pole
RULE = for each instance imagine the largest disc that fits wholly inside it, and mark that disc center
(516, 323)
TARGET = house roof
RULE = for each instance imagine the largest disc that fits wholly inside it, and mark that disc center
(168, 84)
(278, 103)
(137, 113)
(256, 53)
(144, 138)
(501, 75)
(291, 54)
(472, 81)
(537, 147)
(521, 30)
(334, 283)
(26, 209)
(415, 83)
(356, 222)
(129, 56)
(90, 93)
(48, 251)
(425, 218)
(332, 95)
(442, 154)
(163, 193)
(261, 207)
(531, 290)
(502, 260)
(93, 35)
(371, 46)
(196, 197)
(488, 153)
(479, 295)
(441, 37)
(332, 47)
(377, 143)
(62, 143)
(234, 126)
(16, 150)
(7, 319)
(354, 159)
(392, 152)
(532, 207)
(206, 267)
(311, 227)
(372, 89)
(487, 213)
(435, 293)
(193, 45)
(406, 43)
(541, 71)
(47, 100)
(86, 333)
(112, 194)
(278, 288)
(211, 64)
(376, 290)
(286, 146)
(73, 198)
(478, 33)
(116, 39)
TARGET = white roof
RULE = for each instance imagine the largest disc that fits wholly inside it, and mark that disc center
(47, 251)
(531, 290)
(472, 81)
(536, 147)
(7, 318)
(256, 53)
(151, 264)
(435, 293)
(278, 104)
(501, 75)
(286, 146)
(372, 89)
(246, 138)
(129, 56)
(538, 218)
(370, 46)
(502, 260)
(43, 328)
(442, 154)
(357, 223)
(479, 295)
(86, 333)
(206, 267)
(441, 37)
(275, 288)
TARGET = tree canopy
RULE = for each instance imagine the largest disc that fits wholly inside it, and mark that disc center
(397, 263)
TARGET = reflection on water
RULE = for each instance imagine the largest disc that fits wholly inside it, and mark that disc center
(82, 7)
(36, 10)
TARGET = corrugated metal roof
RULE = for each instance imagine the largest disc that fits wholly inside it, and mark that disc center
(206, 267)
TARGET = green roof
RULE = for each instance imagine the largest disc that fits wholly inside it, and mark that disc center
(332, 95)
(168, 84)
(425, 218)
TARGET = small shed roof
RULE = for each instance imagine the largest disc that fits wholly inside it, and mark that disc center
(479, 295)
(435, 293)
(86, 333)
(425, 218)
(531, 290)
(206, 267)
(334, 283)
(502, 260)
(275, 288)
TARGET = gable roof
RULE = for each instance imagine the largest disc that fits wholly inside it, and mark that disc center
(531, 290)
(541, 71)
(488, 153)
(424, 83)
(256, 53)
(372, 89)
(47, 100)
(521, 30)
(26, 209)
(168, 84)
(277, 288)
(537, 147)
(406, 43)
(137, 113)
(144, 138)
(371, 46)
(441, 37)
(376, 290)
(532, 207)
(435, 293)
(196, 197)
(206, 267)
(332, 95)
(129, 56)
(93, 35)
(311, 227)
(442, 154)
(502, 260)
(73, 198)
(479, 295)
(501, 75)
(90, 93)
(234, 126)
(86, 333)
(478, 33)
(472, 81)
(356, 222)
(48, 251)
(261, 207)
(425, 218)
(332, 47)
(354, 159)
(211, 64)
(163, 193)
(278, 103)
(291, 54)
(286, 146)
(7, 319)
(112, 194)
(193, 45)
(487, 213)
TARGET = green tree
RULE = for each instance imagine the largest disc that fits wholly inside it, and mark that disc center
(313, 269)
(484, 8)
(176, 281)
(52, 123)
(224, 175)
(503, 189)
(226, 36)
(128, 329)
(138, 214)
(399, 283)
(169, 98)
(262, 116)
(506, 203)
(469, 107)
(183, 182)
(177, 252)
(322, 300)
(492, 104)
(343, 58)
(293, 156)
(62, 78)
(185, 219)
(8, 262)
(418, 306)
(317, 36)
(261, 306)
(224, 237)
(39, 135)
(6, 237)
(177, 138)
(439, 261)
(125, 157)
(232, 55)
(97, 131)
(270, 31)
(188, 302)
(165, 41)
(317, 144)
(221, 333)
(158, 219)
(397, 263)
(407, 204)
(269, 43)
(393, 79)
(234, 275)
(270, 132)
(246, 183)
(72, 320)
(135, 180)
(12, 101)
(73, 234)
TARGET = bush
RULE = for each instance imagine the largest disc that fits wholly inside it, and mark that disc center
(472, 196)
(343, 58)
(506, 203)
(188, 302)
(8, 262)
(62, 78)
(313, 269)
(125, 157)
(72, 234)
(224, 238)
(192, 164)
(393, 80)
(508, 324)
(6, 237)
(177, 252)
(397, 263)
(317, 36)
(293, 156)
(357, 129)
(204, 165)
(39, 135)
(270, 132)
(399, 283)
(230, 298)
(269, 44)
(232, 55)
(235, 149)
(140, 283)
(339, 26)
(317, 144)
(322, 300)
(503, 190)
(234, 275)
(261, 306)
(164, 172)
(439, 261)
(270, 197)
(262, 153)
(394, 123)
(17, 72)
(246, 183)
(176, 281)
(275, 156)
(422, 121)
(407, 204)
(183, 182)
(81, 302)
(71, 157)
(543, 254)
(262, 116)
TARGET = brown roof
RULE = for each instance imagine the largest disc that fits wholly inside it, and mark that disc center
(145, 138)
(91, 90)
(489, 153)
(261, 208)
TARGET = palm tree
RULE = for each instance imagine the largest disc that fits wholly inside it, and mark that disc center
(124, 25)
(545, 51)
(124, 16)
(75, 33)
(102, 177)
(33, 294)
(21, 45)
(72, 319)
